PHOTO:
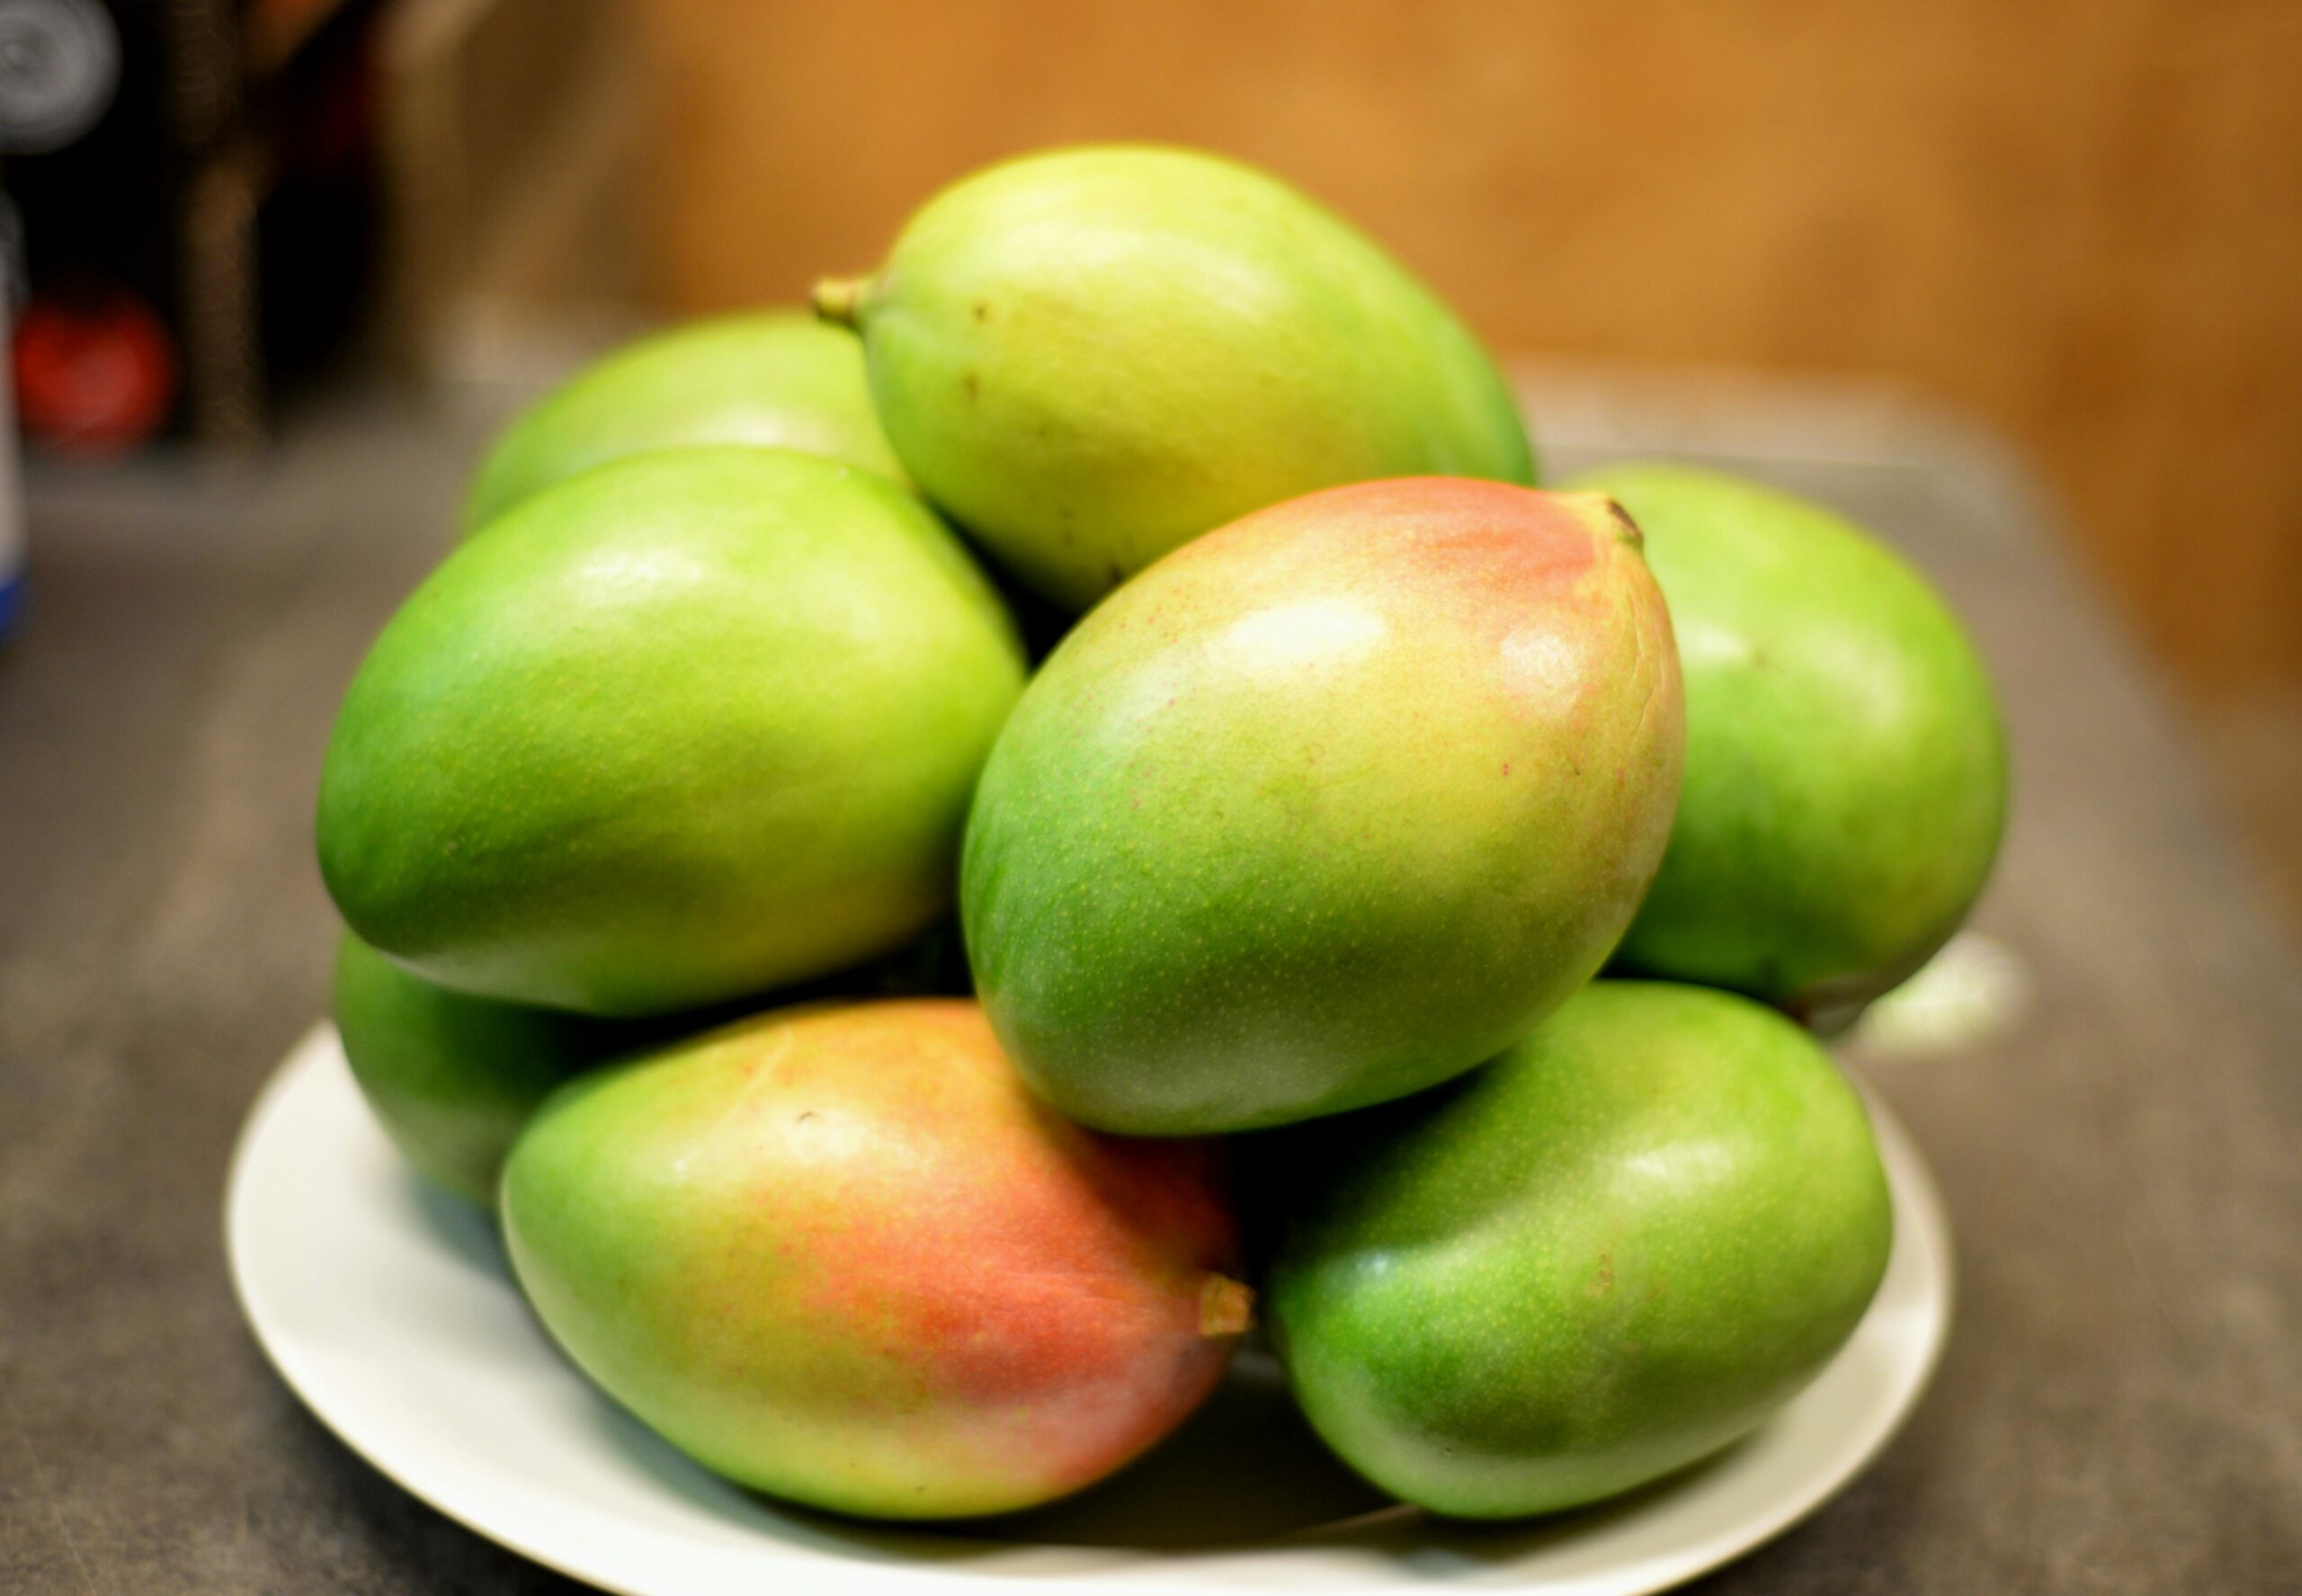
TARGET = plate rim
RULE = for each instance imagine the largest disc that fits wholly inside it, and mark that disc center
(1918, 1207)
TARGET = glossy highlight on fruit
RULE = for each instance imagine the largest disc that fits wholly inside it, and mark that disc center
(1091, 356)
(1607, 1254)
(1324, 808)
(766, 378)
(843, 1256)
(1846, 777)
(689, 727)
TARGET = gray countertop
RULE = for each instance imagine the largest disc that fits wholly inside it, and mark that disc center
(2121, 1406)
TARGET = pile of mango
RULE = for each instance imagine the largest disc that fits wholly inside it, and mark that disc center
(943, 863)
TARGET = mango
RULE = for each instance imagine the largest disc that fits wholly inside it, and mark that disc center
(1324, 808)
(1846, 777)
(1609, 1253)
(692, 726)
(766, 378)
(453, 1078)
(1091, 356)
(843, 1256)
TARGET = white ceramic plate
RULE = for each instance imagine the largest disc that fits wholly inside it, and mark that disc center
(390, 1310)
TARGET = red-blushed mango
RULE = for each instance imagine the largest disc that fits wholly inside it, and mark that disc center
(843, 1256)
(1326, 806)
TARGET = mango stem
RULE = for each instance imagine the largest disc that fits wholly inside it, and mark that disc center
(1226, 1306)
(838, 299)
(1596, 507)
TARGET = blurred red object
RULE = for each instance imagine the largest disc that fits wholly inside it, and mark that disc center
(96, 376)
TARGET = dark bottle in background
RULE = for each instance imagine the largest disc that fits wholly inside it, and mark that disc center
(59, 72)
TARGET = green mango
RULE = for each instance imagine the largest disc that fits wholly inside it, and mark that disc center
(1609, 1253)
(766, 378)
(843, 1256)
(1326, 806)
(1091, 356)
(692, 726)
(451, 1078)
(1846, 763)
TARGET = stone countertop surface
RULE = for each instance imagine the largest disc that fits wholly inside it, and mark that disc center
(2119, 1409)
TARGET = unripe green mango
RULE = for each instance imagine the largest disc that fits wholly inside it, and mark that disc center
(691, 725)
(1609, 1253)
(778, 377)
(453, 1078)
(1326, 806)
(1846, 764)
(843, 1256)
(1091, 356)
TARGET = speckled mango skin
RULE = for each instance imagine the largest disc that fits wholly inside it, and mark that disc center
(1091, 356)
(1326, 806)
(692, 726)
(777, 378)
(1846, 777)
(844, 1257)
(453, 1078)
(1607, 1254)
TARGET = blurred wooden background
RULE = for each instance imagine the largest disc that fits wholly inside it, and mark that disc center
(2080, 220)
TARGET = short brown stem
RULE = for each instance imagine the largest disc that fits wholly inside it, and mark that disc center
(839, 300)
(1226, 1306)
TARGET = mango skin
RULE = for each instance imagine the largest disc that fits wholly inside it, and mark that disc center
(1610, 1253)
(770, 378)
(1325, 808)
(692, 726)
(843, 1256)
(453, 1078)
(1091, 356)
(1846, 781)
